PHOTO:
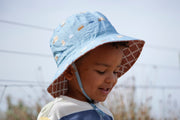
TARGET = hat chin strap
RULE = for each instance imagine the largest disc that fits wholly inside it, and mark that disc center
(99, 112)
(80, 84)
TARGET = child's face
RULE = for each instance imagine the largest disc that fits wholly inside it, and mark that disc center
(98, 72)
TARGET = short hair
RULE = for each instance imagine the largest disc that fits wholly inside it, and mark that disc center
(121, 44)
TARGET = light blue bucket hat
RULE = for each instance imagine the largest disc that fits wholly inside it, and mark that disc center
(81, 33)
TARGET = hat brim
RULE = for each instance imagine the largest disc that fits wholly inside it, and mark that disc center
(130, 55)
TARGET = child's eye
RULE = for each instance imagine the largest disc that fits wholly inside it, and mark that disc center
(115, 72)
(100, 72)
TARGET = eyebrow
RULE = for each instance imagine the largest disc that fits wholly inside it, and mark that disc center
(106, 65)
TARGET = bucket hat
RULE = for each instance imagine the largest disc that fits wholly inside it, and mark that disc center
(81, 33)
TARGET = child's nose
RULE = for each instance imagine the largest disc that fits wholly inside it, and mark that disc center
(112, 78)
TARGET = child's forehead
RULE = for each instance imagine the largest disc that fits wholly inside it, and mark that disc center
(103, 52)
(103, 49)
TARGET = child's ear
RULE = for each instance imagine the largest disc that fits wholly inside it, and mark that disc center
(69, 73)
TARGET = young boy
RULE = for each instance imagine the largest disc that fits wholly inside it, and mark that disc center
(90, 56)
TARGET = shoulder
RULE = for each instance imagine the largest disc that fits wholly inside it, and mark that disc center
(61, 107)
(46, 111)
(69, 105)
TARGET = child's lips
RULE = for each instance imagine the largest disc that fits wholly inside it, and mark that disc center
(105, 90)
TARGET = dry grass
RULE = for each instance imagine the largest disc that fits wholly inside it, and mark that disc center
(121, 103)
(125, 107)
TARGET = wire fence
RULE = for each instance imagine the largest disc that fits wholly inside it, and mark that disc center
(5, 84)
(44, 85)
(23, 85)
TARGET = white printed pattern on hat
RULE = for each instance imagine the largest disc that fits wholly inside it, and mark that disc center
(130, 54)
(71, 35)
(60, 87)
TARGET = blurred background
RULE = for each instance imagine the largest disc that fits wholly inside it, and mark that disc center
(150, 90)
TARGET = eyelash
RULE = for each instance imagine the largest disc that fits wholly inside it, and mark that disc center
(100, 72)
(115, 72)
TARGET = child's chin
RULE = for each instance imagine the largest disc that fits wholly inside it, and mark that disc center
(100, 99)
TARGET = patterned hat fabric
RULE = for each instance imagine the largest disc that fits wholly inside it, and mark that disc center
(78, 35)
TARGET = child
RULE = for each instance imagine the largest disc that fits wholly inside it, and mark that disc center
(90, 56)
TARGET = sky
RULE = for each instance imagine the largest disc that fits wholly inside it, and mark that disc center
(26, 28)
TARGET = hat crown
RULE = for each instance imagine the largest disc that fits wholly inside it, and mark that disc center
(76, 31)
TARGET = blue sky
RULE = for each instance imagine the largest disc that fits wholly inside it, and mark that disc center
(26, 27)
